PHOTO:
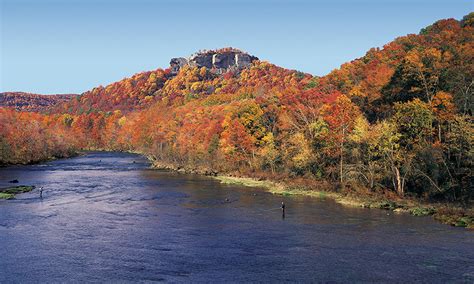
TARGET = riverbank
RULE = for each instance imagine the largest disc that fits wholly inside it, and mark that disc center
(445, 213)
(451, 215)
(43, 159)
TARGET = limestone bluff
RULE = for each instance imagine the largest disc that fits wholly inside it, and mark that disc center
(218, 61)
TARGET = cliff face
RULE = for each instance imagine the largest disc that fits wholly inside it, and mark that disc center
(218, 61)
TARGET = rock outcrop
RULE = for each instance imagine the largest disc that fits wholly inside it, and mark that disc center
(177, 63)
(217, 61)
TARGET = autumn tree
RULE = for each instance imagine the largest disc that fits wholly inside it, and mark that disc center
(340, 117)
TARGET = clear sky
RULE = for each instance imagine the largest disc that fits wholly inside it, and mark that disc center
(53, 46)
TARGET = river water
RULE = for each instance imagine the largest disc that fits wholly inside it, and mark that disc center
(108, 217)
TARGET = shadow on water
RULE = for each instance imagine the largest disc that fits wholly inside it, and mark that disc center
(109, 217)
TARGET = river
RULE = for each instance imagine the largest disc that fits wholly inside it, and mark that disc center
(108, 217)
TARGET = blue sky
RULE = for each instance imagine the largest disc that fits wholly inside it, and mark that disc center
(52, 46)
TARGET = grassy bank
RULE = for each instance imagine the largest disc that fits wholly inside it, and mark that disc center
(443, 213)
(10, 192)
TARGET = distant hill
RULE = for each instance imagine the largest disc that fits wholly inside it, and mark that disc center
(32, 102)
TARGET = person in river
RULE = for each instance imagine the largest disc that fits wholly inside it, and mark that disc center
(283, 209)
(41, 192)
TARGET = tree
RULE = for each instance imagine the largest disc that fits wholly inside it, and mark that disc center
(396, 158)
(444, 110)
(340, 117)
(426, 65)
(414, 120)
(237, 143)
(269, 152)
(298, 153)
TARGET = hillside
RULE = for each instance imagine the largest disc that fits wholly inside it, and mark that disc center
(426, 66)
(32, 102)
(145, 88)
(396, 122)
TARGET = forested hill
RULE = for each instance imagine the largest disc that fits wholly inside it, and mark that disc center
(431, 66)
(143, 89)
(32, 102)
(396, 121)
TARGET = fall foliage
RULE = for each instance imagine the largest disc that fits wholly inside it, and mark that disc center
(31, 102)
(399, 119)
